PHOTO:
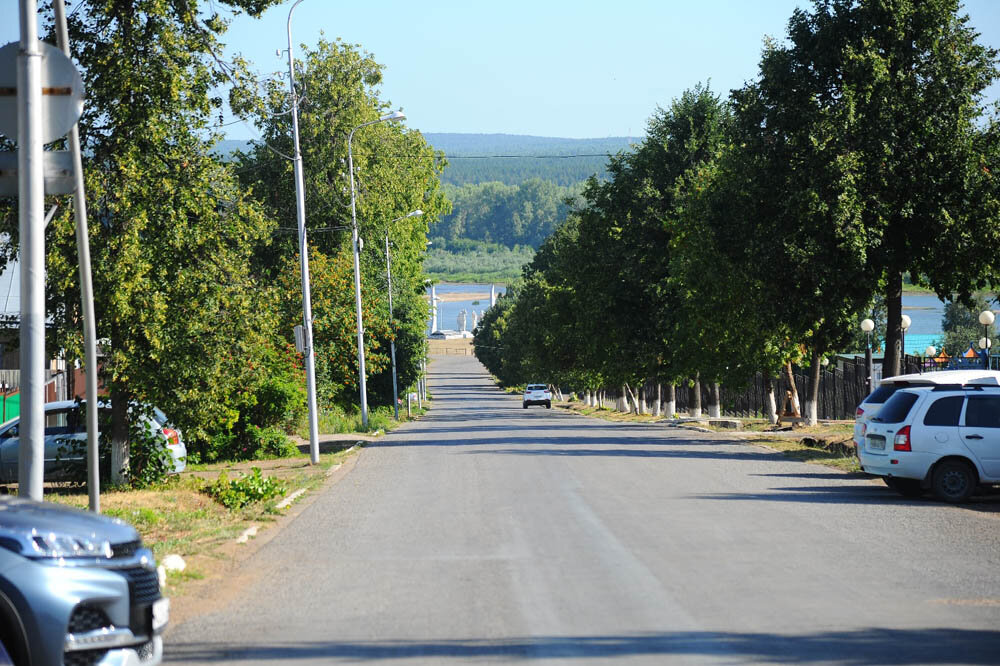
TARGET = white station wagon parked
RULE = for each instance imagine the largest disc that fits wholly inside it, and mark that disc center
(945, 438)
(537, 394)
(870, 406)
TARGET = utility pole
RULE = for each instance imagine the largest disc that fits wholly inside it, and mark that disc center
(300, 209)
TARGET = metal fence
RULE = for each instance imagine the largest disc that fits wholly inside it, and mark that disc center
(842, 387)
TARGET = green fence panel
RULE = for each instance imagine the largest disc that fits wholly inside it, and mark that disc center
(11, 406)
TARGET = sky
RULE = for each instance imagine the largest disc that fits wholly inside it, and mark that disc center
(578, 69)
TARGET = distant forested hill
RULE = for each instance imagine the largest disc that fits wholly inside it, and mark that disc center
(510, 159)
(513, 159)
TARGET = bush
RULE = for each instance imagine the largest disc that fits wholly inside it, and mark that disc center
(270, 443)
(150, 461)
(238, 493)
(281, 402)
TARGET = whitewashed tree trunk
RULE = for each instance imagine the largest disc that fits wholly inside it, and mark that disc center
(769, 400)
(623, 405)
(714, 406)
(658, 405)
(671, 407)
(812, 391)
(695, 409)
(641, 397)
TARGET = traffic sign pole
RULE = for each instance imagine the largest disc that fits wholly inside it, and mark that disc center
(31, 221)
(86, 287)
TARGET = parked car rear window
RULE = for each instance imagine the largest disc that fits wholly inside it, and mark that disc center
(897, 407)
(881, 394)
(983, 411)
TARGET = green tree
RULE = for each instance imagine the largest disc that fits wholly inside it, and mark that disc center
(396, 172)
(171, 231)
(892, 93)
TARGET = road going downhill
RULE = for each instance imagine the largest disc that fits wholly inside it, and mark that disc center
(489, 533)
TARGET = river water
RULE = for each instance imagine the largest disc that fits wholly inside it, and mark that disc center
(470, 297)
(924, 309)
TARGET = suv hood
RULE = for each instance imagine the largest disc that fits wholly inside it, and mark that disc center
(19, 516)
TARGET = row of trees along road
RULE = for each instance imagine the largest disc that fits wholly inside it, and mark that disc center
(747, 233)
(195, 260)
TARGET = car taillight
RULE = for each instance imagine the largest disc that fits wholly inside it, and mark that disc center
(864, 430)
(859, 413)
(173, 439)
(902, 441)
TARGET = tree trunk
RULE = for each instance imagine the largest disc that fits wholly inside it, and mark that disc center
(793, 391)
(893, 355)
(623, 405)
(772, 407)
(671, 407)
(658, 406)
(631, 402)
(695, 410)
(714, 408)
(812, 389)
(641, 400)
(119, 436)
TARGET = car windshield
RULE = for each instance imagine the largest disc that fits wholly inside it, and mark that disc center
(536, 387)
(897, 407)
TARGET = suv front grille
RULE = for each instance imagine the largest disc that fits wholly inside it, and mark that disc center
(87, 618)
(126, 549)
(143, 585)
(85, 658)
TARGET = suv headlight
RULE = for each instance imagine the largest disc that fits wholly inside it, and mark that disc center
(42, 545)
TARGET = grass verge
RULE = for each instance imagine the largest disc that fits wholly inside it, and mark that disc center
(179, 517)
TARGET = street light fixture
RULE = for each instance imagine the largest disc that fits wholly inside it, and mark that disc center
(392, 340)
(867, 325)
(986, 318)
(394, 116)
(300, 210)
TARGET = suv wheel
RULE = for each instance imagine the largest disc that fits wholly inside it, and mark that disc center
(548, 405)
(524, 404)
(905, 487)
(953, 481)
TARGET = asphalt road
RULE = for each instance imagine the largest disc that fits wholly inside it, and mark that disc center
(489, 533)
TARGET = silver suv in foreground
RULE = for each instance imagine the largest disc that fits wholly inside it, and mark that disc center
(76, 588)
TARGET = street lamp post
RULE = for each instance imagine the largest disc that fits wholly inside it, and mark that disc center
(929, 357)
(394, 116)
(986, 318)
(300, 210)
(904, 324)
(867, 325)
(985, 343)
(392, 340)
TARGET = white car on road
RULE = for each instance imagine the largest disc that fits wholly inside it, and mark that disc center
(537, 394)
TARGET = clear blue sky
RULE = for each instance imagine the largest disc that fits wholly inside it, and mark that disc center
(545, 68)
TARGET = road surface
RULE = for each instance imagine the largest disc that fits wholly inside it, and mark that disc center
(486, 533)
